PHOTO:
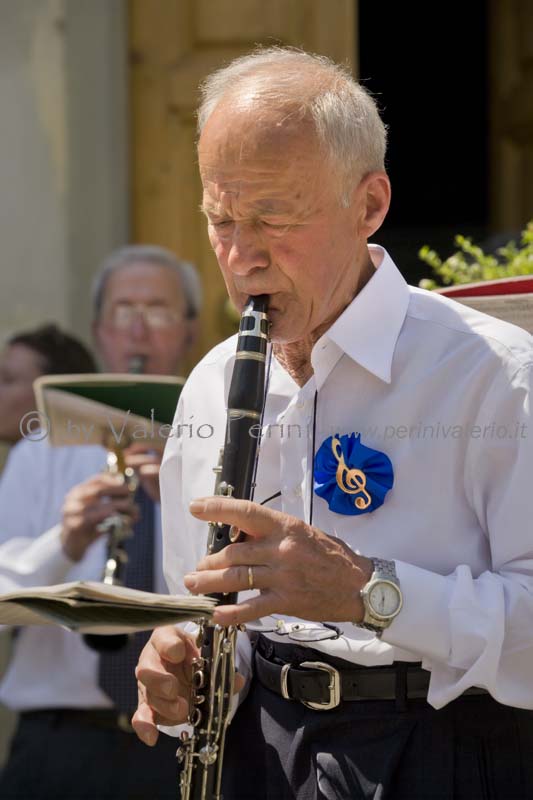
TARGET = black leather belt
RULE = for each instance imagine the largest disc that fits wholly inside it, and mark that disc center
(321, 686)
(105, 718)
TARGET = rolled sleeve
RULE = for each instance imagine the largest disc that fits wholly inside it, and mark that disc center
(35, 562)
(476, 630)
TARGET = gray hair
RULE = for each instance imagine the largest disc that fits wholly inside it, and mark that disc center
(344, 115)
(150, 254)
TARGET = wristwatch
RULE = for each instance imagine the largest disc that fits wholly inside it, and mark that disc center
(381, 596)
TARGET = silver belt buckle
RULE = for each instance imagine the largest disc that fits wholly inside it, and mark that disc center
(334, 685)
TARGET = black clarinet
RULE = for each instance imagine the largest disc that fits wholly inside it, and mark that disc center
(202, 752)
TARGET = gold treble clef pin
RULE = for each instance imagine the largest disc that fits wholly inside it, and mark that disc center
(351, 481)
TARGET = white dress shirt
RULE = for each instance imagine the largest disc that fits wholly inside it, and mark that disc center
(445, 392)
(50, 667)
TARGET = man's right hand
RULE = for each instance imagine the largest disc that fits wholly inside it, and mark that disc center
(164, 676)
(89, 504)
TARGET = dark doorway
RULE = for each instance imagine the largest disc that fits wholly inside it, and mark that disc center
(427, 66)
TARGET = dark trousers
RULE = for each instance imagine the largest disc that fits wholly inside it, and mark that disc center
(472, 749)
(62, 760)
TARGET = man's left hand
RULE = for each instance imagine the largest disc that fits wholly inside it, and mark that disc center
(299, 570)
(146, 461)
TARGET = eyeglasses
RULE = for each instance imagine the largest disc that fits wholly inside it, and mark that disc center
(295, 631)
(124, 315)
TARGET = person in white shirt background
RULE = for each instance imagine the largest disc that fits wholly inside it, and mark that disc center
(74, 739)
(435, 666)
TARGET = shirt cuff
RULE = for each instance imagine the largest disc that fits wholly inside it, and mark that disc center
(423, 624)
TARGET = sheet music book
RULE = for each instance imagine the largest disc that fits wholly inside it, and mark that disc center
(103, 408)
(92, 607)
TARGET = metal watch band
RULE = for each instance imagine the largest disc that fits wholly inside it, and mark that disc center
(386, 569)
(383, 570)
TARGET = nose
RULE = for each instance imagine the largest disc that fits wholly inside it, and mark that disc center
(139, 328)
(247, 250)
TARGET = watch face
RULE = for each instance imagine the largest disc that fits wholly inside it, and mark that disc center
(384, 599)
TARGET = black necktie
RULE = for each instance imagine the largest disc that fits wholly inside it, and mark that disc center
(117, 668)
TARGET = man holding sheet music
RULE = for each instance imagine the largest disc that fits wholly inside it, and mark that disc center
(74, 739)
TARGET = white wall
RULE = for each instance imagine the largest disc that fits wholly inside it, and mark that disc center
(63, 155)
(63, 163)
(33, 164)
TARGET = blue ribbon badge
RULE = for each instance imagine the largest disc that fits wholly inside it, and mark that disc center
(351, 477)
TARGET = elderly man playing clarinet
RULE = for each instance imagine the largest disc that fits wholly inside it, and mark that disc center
(389, 538)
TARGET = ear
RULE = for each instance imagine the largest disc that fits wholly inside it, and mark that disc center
(95, 331)
(98, 348)
(373, 195)
(193, 329)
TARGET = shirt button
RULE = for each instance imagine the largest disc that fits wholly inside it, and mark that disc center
(300, 405)
(297, 492)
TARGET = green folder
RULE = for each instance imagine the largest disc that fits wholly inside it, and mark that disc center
(103, 408)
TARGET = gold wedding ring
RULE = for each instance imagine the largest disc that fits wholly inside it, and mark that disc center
(251, 578)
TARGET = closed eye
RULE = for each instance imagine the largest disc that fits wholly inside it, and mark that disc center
(276, 228)
(271, 228)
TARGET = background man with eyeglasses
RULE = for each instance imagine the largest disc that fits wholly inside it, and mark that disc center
(74, 740)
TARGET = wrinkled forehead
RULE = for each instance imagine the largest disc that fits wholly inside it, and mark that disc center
(249, 138)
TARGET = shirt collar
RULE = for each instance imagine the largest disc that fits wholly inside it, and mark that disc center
(368, 329)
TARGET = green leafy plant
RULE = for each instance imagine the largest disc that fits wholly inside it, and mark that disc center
(470, 263)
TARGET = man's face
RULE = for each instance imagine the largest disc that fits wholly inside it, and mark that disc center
(143, 316)
(19, 366)
(276, 223)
